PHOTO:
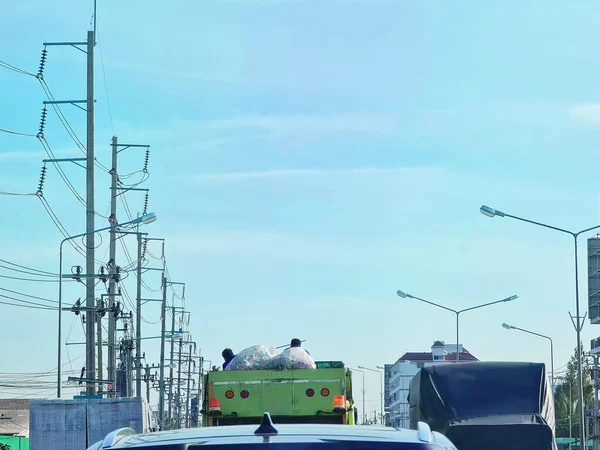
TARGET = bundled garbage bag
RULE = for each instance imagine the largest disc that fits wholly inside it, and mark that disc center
(251, 358)
(291, 358)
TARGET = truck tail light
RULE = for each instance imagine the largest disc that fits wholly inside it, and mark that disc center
(214, 407)
(324, 392)
(244, 394)
(310, 392)
(229, 394)
(339, 403)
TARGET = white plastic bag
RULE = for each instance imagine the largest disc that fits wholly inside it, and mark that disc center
(251, 358)
(291, 358)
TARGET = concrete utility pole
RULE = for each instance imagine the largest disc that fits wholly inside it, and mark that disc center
(595, 413)
(90, 282)
(112, 266)
(170, 409)
(148, 383)
(179, 384)
(187, 395)
(161, 380)
(98, 316)
(138, 320)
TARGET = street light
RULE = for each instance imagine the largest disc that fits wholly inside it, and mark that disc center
(511, 327)
(142, 220)
(491, 212)
(381, 376)
(363, 395)
(457, 312)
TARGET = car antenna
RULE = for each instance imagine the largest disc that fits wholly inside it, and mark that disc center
(266, 428)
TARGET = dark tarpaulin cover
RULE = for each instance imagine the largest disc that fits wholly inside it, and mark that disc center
(491, 405)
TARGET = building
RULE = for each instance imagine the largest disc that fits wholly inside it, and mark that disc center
(14, 423)
(399, 375)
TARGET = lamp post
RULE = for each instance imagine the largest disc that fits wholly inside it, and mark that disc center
(381, 393)
(147, 218)
(457, 312)
(491, 212)
(511, 327)
(364, 411)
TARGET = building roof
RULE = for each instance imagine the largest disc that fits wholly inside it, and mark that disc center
(14, 417)
(418, 357)
(438, 344)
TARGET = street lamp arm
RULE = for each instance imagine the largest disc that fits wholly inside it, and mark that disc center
(433, 304)
(532, 332)
(586, 230)
(545, 225)
(481, 306)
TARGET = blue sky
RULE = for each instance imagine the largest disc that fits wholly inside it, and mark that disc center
(309, 158)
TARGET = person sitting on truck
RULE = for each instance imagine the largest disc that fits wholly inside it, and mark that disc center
(228, 355)
(297, 343)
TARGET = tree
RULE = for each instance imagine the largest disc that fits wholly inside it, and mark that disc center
(562, 397)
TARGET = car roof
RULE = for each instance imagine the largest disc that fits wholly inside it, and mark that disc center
(245, 434)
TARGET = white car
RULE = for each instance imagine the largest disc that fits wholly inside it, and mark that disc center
(280, 437)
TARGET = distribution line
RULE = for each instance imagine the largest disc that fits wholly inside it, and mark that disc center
(29, 268)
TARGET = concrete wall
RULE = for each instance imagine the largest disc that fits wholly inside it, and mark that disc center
(58, 425)
(15, 442)
(77, 424)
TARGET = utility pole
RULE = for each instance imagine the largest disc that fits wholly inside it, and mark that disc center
(90, 282)
(138, 320)
(148, 383)
(200, 387)
(595, 413)
(161, 380)
(98, 316)
(179, 384)
(112, 266)
(187, 395)
(171, 359)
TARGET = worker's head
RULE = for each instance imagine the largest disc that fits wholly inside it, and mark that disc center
(296, 343)
(227, 354)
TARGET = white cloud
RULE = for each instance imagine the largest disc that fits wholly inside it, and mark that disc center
(586, 114)
(310, 124)
(286, 173)
(263, 246)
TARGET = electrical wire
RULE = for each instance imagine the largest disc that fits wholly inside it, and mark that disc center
(27, 306)
(16, 194)
(8, 66)
(32, 279)
(106, 87)
(29, 296)
(29, 268)
(17, 133)
(27, 272)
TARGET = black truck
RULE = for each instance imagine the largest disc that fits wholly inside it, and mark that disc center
(486, 405)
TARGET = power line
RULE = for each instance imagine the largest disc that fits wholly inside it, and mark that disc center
(8, 66)
(33, 280)
(29, 296)
(106, 87)
(17, 133)
(27, 272)
(28, 268)
(18, 195)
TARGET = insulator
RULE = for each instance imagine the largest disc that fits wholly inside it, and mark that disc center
(163, 250)
(42, 122)
(146, 204)
(146, 159)
(40, 73)
(40, 190)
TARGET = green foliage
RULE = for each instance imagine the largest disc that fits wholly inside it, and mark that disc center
(566, 402)
(4, 446)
